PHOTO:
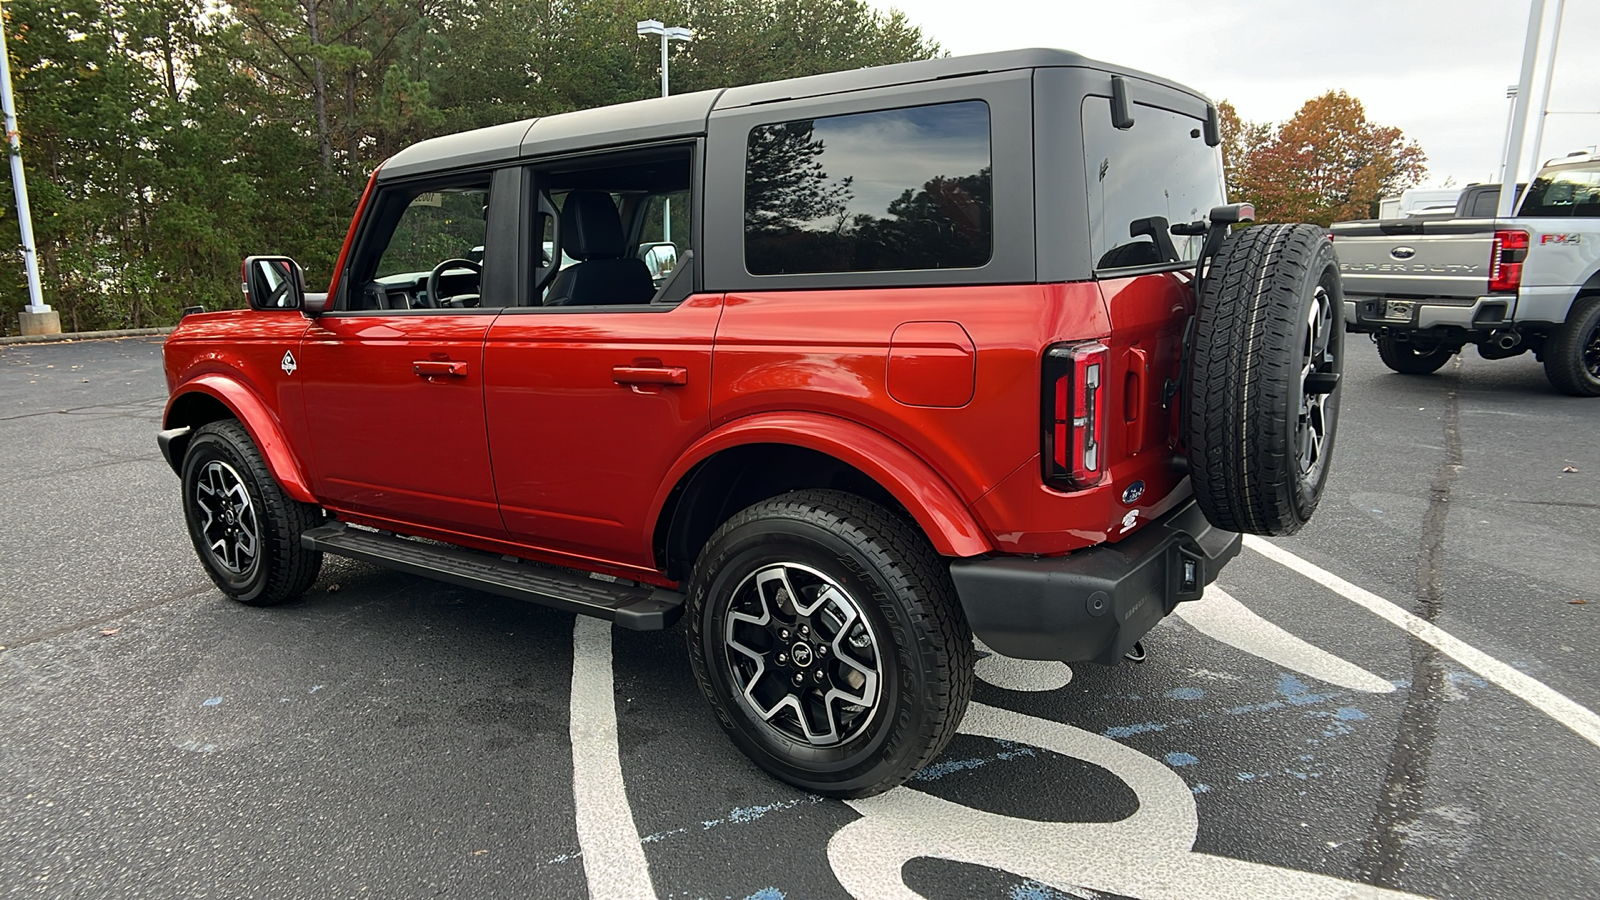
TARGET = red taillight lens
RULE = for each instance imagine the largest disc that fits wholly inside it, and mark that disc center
(1075, 376)
(1505, 261)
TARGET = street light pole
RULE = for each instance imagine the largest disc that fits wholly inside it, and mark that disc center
(667, 33)
(37, 318)
(1519, 119)
(652, 26)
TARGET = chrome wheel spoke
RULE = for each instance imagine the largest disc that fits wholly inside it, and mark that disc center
(802, 654)
(228, 523)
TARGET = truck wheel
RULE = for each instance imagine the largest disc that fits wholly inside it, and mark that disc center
(1572, 354)
(1264, 370)
(1412, 357)
(827, 636)
(244, 528)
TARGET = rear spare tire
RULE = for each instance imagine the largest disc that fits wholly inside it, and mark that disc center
(1413, 357)
(1264, 370)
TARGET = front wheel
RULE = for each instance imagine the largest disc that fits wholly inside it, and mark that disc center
(245, 529)
(1413, 357)
(826, 634)
(1572, 355)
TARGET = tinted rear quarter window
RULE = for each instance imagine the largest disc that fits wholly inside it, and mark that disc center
(897, 189)
(1159, 167)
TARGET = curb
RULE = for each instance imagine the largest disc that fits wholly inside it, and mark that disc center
(83, 335)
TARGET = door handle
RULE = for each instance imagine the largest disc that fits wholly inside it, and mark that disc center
(650, 375)
(430, 367)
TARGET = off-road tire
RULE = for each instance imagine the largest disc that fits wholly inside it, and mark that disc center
(922, 643)
(1246, 419)
(1405, 357)
(279, 569)
(1572, 353)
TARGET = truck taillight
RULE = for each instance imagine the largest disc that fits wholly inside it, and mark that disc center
(1505, 261)
(1074, 402)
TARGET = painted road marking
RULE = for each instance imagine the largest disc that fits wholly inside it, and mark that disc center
(613, 857)
(1148, 855)
(1222, 618)
(1581, 720)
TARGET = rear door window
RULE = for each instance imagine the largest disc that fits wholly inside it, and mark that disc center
(897, 189)
(1159, 167)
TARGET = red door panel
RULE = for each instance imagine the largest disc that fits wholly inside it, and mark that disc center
(588, 409)
(394, 407)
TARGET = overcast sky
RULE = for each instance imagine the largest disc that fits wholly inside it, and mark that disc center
(1437, 69)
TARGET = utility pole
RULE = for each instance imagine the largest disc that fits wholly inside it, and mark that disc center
(36, 318)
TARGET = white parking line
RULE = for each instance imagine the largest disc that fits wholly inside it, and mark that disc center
(613, 857)
(1541, 696)
(1222, 618)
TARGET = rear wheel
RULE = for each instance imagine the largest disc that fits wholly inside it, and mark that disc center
(1572, 354)
(827, 636)
(245, 529)
(1411, 357)
(1265, 365)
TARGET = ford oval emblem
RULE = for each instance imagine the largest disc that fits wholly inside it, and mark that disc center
(1133, 493)
(1403, 252)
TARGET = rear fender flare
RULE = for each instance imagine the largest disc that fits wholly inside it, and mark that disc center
(257, 419)
(929, 499)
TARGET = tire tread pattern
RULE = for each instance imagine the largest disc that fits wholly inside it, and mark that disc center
(1242, 368)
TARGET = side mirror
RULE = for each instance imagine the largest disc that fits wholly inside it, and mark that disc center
(274, 282)
(661, 257)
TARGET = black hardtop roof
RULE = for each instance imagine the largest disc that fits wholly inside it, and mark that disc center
(685, 115)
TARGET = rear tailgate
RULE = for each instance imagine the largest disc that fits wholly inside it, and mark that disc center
(1415, 259)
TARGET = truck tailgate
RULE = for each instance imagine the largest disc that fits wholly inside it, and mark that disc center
(1418, 259)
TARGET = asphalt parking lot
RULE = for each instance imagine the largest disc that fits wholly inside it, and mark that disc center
(1398, 701)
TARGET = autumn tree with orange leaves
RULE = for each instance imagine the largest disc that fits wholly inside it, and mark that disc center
(1327, 164)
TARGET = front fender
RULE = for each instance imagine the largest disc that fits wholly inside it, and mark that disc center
(929, 499)
(257, 419)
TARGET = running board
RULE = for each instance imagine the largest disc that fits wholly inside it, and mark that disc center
(635, 607)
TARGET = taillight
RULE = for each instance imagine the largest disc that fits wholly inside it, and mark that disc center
(1505, 261)
(1074, 404)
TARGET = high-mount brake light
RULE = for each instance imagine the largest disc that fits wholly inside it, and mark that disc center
(1074, 402)
(1505, 261)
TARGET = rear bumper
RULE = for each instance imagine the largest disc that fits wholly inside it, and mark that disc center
(1094, 604)
(1487, 313)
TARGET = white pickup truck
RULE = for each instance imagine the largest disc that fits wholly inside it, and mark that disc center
(1423, 289)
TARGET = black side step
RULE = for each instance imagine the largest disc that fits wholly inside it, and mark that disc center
(636, 607)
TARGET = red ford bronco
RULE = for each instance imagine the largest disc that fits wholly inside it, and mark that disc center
(845, 369)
